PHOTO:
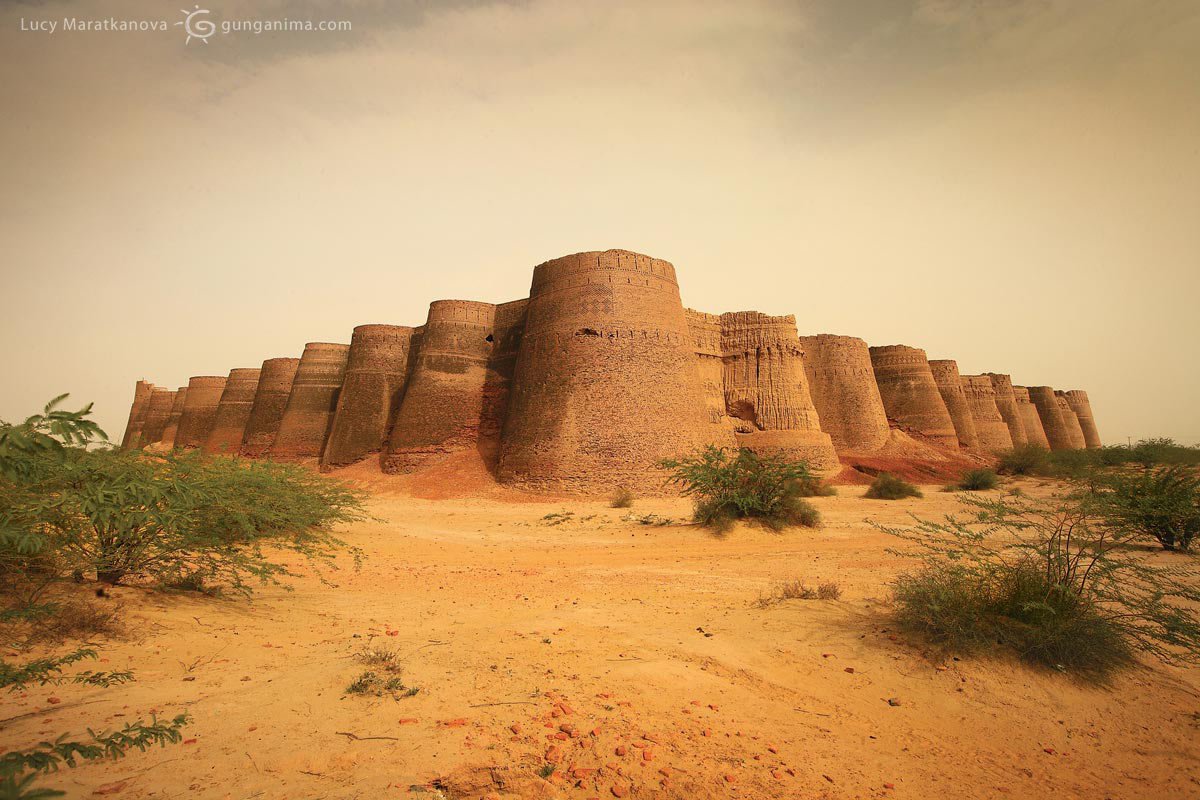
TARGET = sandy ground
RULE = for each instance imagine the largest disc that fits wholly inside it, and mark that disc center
(631, 658)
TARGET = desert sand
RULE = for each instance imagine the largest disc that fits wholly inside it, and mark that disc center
(631, 657)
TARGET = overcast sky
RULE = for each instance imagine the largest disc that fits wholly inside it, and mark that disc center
(1015, 185)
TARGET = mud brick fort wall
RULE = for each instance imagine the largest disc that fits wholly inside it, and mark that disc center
(949, 383)
(591, 381)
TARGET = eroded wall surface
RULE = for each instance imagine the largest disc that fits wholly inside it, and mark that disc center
(1053, 424)
(172, 429)
(199, 410)
(1082, 406)
(1030, 420)
(910, 394)
(989, 423)
(605, 383)
(158, 408)
(137, 415)
(1006, 403)
(842, 384)
(949, 383)
(312, 402)
(376, 372)
(270, 402)
(1074, 429)
(233, 411)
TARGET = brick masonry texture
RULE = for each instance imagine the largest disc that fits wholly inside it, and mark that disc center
(1006, 404)
(158, 408)
(233, 412)
(172, 429)
(910, 394)
(376, 372)
(989, 423)
(199, 410)
(1074, 429)
(1030, 420)
(1053, 424)
(949, 383)
(842, 384)
(1078, 400)
(275, 379)
(312, 402)
(587, 384)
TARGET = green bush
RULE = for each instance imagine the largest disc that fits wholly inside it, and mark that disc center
(812, 486)
(976, 480)
(745, 485)
(1049, 582)
(889, 487)
(176, 519)
(1161, 503)
(1025, 459)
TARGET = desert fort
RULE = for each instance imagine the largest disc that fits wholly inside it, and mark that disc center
(587, 384)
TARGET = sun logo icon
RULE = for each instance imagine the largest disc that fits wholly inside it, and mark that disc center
(197, 28)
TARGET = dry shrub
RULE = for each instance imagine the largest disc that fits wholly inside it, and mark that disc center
(797, 589)
(622, 498)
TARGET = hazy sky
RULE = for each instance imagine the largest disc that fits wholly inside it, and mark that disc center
(1015, 185)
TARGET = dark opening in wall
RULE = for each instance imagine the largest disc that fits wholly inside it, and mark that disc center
(490, 338)
(586, 332)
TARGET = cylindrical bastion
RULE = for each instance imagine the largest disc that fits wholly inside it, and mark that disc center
(158, 408)
(311, 405)
(910, 394)
(199, 410)
(1053, 424)
(1006, 404)
(1030, 420)
(233, 412)
(137, 414)
(376, 370)
(1074, 429)
(1078, 400)
(442, 407)
(949, 383)
(989, 423)
(766, 389)
(842, 384)
(270, 401)
(605, 384)
(172, 429)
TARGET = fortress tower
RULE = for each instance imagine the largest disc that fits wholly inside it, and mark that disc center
(910, 394)
(233, 412)
(766, 389)
(605, 384)
(842, 384)
(199, 410)
(137, 414)
(442, 409)
(313, 400)
(158, 408)
(1074, 429)
(1053, 424)
(1078, 400)
(1006, 404)
(172, 429)
(270, 401)
(949, 383)
(989, 422)
(376, 370)
(508, 331)
(1030, 420)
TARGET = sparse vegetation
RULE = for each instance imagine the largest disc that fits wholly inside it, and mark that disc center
(975, 480)
(728, 486)
(1031, 459)
(371, 684)
(1049, 582)
(1159, 503)
(622, 498)
(890, 487)
(799, 590)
